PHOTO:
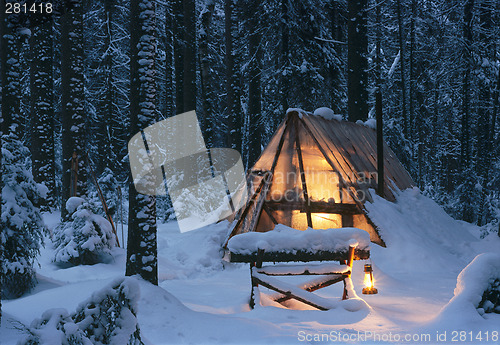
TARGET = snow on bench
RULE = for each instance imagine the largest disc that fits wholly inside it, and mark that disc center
(284, 244)
(287, 244)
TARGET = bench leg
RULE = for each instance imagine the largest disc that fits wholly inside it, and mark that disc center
(255, 285)
(255, 288)
(345, 296)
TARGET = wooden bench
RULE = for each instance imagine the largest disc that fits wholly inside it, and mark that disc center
(328, 271)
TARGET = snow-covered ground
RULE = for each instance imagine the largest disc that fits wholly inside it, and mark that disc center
(201, 299)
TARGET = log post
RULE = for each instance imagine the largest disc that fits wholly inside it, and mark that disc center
(255, 284)
(345, 296)
(350, 258)
(302, 175)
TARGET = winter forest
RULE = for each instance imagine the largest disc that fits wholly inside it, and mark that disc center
(80, 77)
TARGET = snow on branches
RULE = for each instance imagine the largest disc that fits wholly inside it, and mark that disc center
(107, 317)
(22, 225)
(85, 238)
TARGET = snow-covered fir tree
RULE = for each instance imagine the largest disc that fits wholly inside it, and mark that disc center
(109, 316)
(107, 72)
(86, 238)
(22, 225)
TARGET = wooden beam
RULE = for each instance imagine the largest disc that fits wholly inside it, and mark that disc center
(300, 255)
(321, 283)
(292, 291)
(273, 166)
(260, 202)
(302, 173)
(316, 207)
(350, 258)
(247, 207)
(280, 146)
(270, 213)
(347, 220)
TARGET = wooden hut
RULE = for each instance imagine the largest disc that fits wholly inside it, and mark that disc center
(318, 172)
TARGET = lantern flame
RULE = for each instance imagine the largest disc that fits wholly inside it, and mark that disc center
(369, 289)
(368, 280)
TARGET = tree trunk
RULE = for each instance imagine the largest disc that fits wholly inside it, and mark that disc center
(207, 94)
(336, 70)
(411, 93)
(379, 109)
(402, 69)
(178, 40)
(357, 63)
(170, 28)
(467, 34)
(141, 244)
(233, 111)
(3, 51)
(496, 105)
(106, 114)
(72, 103)
(467, 212)
(285, 58)
(254, 85)
(42, 110)
(486, 109)
(189, 56)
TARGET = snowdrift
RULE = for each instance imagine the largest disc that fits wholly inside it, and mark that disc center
(462, 311)
(420, 235)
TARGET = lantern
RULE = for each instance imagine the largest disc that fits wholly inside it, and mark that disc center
(369, 289)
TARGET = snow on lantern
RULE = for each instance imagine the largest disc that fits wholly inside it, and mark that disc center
(369, 289)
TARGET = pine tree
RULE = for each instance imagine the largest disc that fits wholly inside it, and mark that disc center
(42, 109)
(337, 68)
(2, 226)
(486, 123)
(402, 64)
(178, 45)
(232, 112)
(189, 56)
(169, 95)
(109, 316)
(22, 224)
(13, 37)
(106, 48)
(72, 103)
(141, 244)
(465, 154)
(86, 238)
(207, 89)
(256, 127)
(357, 62)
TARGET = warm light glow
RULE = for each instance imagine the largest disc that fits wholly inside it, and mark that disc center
(326, 221)
(369, 288)
(368, 280)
